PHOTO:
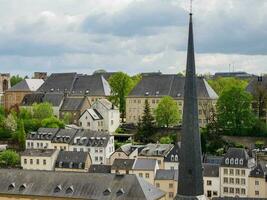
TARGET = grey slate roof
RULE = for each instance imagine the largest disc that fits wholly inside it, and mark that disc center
(72, 104)
(54, 98)
(257, 172)
(169, 85)
(257, 81)
(43, 134)
(213, 159)
(38, 152)
(156, 150)
(123, 164)
(236, 154)
(127, 148)
(170, 157)
(107, 104)
(27, 85)
(67, 185)
(92, 85)
(64, 136)
(77, 158)
(58, 82)
(145, 164)
(30, 99)
(237, 198)
(211, 170)
(100, 169)
(166, 174)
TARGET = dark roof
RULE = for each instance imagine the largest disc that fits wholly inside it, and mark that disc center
(156, 150)
(213, 159)
(95, 115)
(100, 169)
(27, 85)
(237, 198)
(166, 174)
(171, 154)
(43, 134)
(145, 164)
(71, 159)
(72, 104)
(257, 82)
(236, 157)
(169, 85)
(64, 136)
(127, 148)
(232, 74)
(38, 152)
(30, 99)
(211, 170)
(92, 85)
(257, 172)
(58, 82)
(91, 138)
(123, 164)
(76, 185)
(54, 98)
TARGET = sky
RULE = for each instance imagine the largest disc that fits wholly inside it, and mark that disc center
(131, 35)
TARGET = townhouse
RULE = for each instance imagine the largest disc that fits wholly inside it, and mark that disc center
(211, 180)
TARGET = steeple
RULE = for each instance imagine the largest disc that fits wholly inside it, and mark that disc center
(190, 184)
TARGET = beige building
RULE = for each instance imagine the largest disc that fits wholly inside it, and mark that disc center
(167, 181)
(4, 85)
(257, 183)
(154, 87)
(211, 180)
(73, 161)
(14, 95)
(234, 172)
(39, 159)
(62, 139)
(122, 166)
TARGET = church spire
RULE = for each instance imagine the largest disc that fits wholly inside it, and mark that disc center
(190, 184)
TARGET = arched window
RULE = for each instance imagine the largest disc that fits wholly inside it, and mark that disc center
(22, 187)
(5, 85)
(11, 186)
(236, 161)
(227, 161)
(241, 161)
(232, 161)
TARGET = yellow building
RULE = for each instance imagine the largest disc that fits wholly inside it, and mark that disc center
(154, 87)
(257, 183)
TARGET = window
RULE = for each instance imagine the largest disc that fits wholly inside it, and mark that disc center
(37, 144)
(225, 180)
(140, 175)
(208, 182)
(256, 182)
(157, 185)
(241, 161)
(209, 193)
(28, 144)
(227, 161)
(41, 144)
(237, 181)
(111, 122)
(237, 191)
(74, 149)
(236, 161)
(176, 157)
(96, 150)
(96, 158)
(172, 168)
(100, 158)
(170, 185)
(243, 172)
(215, 193)
(231, 171)
(225, 171)
(232, 190)
(88, 124)
(237, 172)
(37, 161)
(231, 161)
(31, 161)
(232, 180)
(257, 193)
(44, 162)
(147, 175)
(25, 161)
(100, 150)
(243, 191)
(243, 181)
(225, 190)
(170, 194)
(172, 157)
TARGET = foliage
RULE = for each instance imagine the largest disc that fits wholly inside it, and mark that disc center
(21, 135)
(67, 118)
(260, 99)
(146, 127)
(120, 130)
(259, 144)
(99, 71)
(167, 112)
(225, 83)
(235, 115)
(42, 110)
(52, 122)
(259, 128)
(15, 79)
(9, 158)
(166, 140)
(10, 122)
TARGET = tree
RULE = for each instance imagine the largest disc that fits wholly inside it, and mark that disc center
(166, 140)
(224, 83)
(235, 115)
(146, 127)
(52, 122)
(42, 110)
(260, 99)
(10, 122)
(167, 112)
(121, 84)
(21, 135)
(15, 79)
(67, 118)
(9, 158)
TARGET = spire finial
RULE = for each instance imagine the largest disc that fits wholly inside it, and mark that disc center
(191, 7)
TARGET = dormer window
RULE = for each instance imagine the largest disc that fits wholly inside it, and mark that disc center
(71, 164)
(80, 165)
(236, 161)
(232, 161)
(69, 190)
(227, 161)
(176, 157)
(60, 164)
(22, 187)
(57, 189)
(241, 161)
(11, 186)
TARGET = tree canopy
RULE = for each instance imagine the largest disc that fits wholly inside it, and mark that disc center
(9, 158)
(167, 112)
(15, 79)
(42, 110)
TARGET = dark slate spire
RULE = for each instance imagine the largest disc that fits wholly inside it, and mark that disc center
(190, 184)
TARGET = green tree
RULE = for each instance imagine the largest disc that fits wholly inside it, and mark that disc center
(9, 158)
(15, 79)
(234, 113)
(10, 122)
(42, 110)
(52, 122)
(166, 140)
(21, 135)
(121, 84)
(167, 112)
(67, 118)
(146, 127)
(224, 83)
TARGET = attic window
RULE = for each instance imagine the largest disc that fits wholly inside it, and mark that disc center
(236, 161)
(80, 165)
(172, 157)
(227, 161)
(60, 164)
(87, 92)
(178, 94)
(157, 92)
(57, 189)
(52, 90)
(71, 164)
(231, 161)
(176, 158)
(107, 192)
(120, 192)
(147, 93)
(241, 161)
(69, 190)
(22, 187)
(11, 186)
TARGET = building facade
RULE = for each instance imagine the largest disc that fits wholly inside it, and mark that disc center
(4, 85)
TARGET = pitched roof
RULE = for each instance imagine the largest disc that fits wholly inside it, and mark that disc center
(27, 85)
(100, 169)
(145, 164)
(169, 85)
(156, 150)
(257, 81)
(257, 172)
(92, 85)
(30, 99)
(72, 104)
(211, 170)
(71, 159)
(123, 164)
(76, 185)
(54, 98)
(43, 134)
(166, 174)
(93, 113)
(38, 152)
(107, 104)
(171, 154)
(127, 148)
(64, 136)
(58, 82)
(213, 159)
(237, 198)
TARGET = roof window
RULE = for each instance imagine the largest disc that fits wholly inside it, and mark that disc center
(120, 192)
(107, 192)
(11, 186)
(57, 189)
(69, 190)
(22, 187)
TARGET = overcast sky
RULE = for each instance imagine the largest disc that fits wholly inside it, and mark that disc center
(131, 35)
